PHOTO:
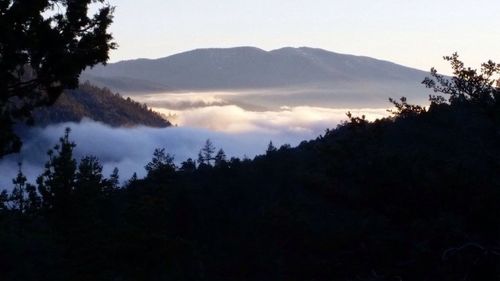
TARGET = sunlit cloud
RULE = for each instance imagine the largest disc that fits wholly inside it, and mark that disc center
(233, 119)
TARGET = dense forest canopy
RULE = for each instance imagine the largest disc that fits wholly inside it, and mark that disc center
(410, 197)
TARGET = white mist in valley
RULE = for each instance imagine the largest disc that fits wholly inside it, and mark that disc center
(240, 130)
(229, 112)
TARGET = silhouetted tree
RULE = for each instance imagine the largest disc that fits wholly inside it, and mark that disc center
(188, 166)
(89, 180)
(133, 179)
(34, 201)
(162, 163)
(18, 196)
(206, 154)
(467, 84)
(356, 121)
(113, 182)
(404, 109)
(271, 148)
(220, 159)
(44, 46)
(57, 182)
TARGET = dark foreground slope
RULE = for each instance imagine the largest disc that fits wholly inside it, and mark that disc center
(411, 197)
(98, 104)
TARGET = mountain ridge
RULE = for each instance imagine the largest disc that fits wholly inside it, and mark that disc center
(251, 67)
(300, 76)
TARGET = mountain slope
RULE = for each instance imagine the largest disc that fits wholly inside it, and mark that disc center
(98, 104)
(283, 77)
(248, 68)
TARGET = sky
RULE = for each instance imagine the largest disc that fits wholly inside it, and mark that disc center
(409, 32)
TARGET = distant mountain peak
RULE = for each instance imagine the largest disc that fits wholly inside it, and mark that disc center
(214, 69)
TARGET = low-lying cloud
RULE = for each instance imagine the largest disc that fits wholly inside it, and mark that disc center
(182, 101)
(238, 131)
(234, 119)
(130, 149)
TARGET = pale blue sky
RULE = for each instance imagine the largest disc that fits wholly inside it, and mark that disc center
(409, 32)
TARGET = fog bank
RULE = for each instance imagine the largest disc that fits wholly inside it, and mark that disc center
(130, 149)
(239, 132)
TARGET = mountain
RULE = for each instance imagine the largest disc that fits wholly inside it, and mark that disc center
(98, 104)
(301, 76)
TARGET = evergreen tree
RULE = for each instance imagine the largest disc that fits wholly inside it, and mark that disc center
(24, 197)
(402, 109)
(162, 162)
(133, 179)
(18, 197)
(188, 166)
(113, 182)
(220, 158)
(34, 201)
(57, 183)
(89, 179)
(206, 154)
(271, 148)
(467, 85)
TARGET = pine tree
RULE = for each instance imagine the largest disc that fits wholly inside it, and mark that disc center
(188, 166)
(24, 197)
(161, 163)
(206, 154)
(271, 148)
(18, 197)
(114, 179)
(112, 183)
(89, 180)
(57, 183)
(220, 158)
(34, 201)
(133, 179)
(467, 85)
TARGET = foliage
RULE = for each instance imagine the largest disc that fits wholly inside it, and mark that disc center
(409, 197)
(220, 159)
(161, 163)
(271, 148)
(467, 84)
(44, 46)
(57, 182)
(404, 109)
(206, 154)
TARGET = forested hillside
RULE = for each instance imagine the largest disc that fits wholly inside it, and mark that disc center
(98, 104)
(410, 197)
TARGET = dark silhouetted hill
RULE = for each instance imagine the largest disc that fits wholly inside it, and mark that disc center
(98, 104)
